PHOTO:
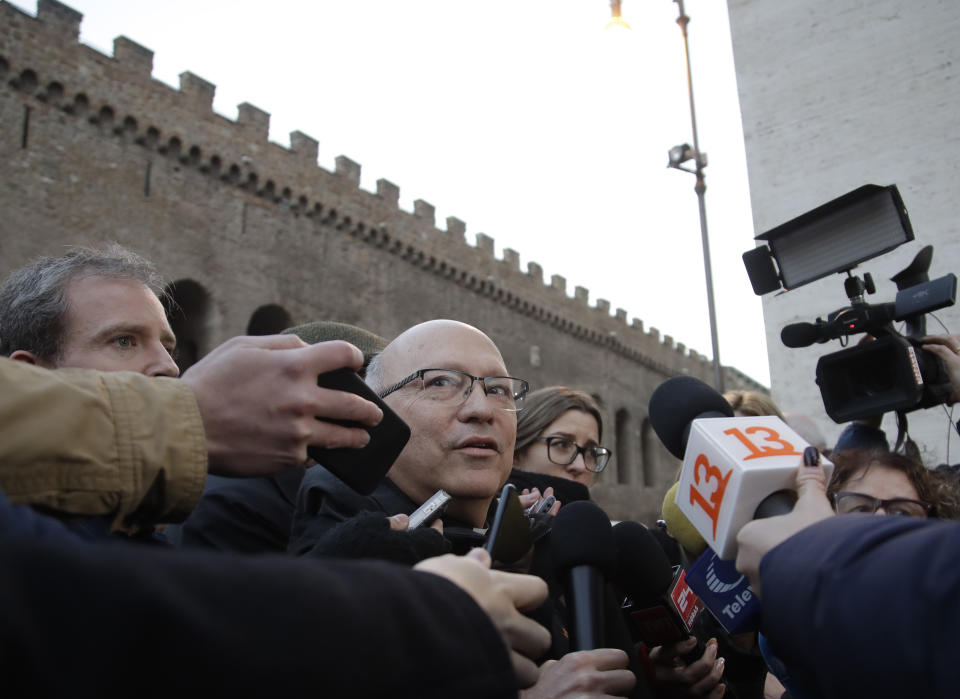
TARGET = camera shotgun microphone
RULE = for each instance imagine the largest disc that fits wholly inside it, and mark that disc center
(802, 334)
(859, 318)
(585, 555)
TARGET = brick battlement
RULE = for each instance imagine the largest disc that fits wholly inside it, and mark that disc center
(42, 59)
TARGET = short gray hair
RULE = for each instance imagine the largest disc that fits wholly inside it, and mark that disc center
(374, 374)
(33, 304)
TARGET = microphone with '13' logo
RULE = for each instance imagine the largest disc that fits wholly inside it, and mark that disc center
(732, 466)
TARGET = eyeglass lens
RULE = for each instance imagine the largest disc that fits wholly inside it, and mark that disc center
(450, 385)
(563, 452)
(849, 503)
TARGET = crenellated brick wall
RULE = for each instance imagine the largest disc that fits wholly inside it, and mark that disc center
(92, 148)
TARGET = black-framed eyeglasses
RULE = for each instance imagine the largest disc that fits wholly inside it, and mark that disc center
(849, 502)
(452, 386)
(563, 451)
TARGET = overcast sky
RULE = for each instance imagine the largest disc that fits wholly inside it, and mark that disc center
(523, 118)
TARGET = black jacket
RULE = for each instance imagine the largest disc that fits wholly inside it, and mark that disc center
(245, 515)
(859, 605)
(109, 619)
(334, 520)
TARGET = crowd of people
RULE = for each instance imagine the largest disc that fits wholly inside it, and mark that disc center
(161, 532)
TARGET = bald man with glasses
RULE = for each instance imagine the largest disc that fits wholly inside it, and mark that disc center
(449, 383)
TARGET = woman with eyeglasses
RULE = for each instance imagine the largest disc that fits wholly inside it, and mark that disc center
(558, 434)
(882, 482)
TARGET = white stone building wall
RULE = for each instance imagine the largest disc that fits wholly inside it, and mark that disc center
(835, 94)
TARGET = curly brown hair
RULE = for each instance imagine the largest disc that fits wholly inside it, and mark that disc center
(930, 487)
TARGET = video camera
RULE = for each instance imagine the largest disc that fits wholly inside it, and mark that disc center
(891, 373)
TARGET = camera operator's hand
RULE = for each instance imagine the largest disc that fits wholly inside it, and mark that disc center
(947, 347)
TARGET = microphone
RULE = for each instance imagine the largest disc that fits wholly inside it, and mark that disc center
(725, 593)
(679, 526)
(676, 403)
(801, 334)
(662, 607)
(730, 465)
(585, 555)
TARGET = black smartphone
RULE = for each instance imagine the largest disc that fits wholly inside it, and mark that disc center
(362, 469)
(510, 536)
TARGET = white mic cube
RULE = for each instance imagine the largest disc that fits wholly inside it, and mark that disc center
(731, 464)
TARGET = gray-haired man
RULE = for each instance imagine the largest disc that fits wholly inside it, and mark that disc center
(88, 309)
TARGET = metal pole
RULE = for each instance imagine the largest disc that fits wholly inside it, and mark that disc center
(700, 188)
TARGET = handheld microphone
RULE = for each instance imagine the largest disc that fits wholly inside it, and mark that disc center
(679, 526)
(585, 555)
(662, 606)
(725, 593)
(676, 403)
(730, 465)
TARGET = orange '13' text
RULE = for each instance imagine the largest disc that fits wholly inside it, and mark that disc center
(710, 504)
(759, 451)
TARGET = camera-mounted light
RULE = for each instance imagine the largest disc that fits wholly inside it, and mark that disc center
(835, 237)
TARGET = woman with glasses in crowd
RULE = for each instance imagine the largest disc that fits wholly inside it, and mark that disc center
(558, 444)
(882, 482)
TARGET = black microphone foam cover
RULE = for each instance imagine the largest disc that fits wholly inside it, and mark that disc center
(799, 334)
(643, 569)
(582, 535)
(775, 504)
(679, 401)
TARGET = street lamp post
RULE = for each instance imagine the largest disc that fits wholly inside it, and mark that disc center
(700, 161)
(682, 154)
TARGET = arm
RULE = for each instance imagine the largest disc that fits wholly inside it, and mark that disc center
(137, 448)
(94, 443)
(845, 595)
(854, 593)
(103, 620)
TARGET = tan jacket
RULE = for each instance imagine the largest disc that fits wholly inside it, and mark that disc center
(91, 443)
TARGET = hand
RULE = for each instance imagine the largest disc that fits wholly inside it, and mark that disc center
(700, 678)
(502, 596)
(260, 403)
(584, 674)
(529, 497)
(947, 347)
(401, 522)
(587, 673)
(772, 687)
(760, 536)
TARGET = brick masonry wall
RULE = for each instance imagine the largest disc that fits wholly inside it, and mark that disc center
(93, 149)
(836, 94)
